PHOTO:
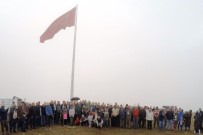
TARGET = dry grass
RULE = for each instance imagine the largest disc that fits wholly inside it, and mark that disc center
(78, 130)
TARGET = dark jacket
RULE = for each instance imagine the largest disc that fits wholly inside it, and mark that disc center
(142, 114)
(161, 115)
(110, 112)
(33, 111)
(20, 112)
(169, 115)
(197, 122)
(43, 108)
(11, 112)
(3, 113)
(38, 108)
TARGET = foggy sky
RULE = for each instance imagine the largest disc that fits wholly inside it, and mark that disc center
(127, 51)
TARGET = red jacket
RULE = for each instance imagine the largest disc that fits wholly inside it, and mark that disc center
(135, 113)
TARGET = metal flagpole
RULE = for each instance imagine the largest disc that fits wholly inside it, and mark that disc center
(73, 60)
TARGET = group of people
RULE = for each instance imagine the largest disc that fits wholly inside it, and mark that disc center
(85, 113)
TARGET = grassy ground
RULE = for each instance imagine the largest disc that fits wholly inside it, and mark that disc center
(78, 130)
(64, 130)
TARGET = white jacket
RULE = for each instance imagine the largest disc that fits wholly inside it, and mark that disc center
(150, 115)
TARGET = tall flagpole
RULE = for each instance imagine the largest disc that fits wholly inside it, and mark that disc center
(73, 60)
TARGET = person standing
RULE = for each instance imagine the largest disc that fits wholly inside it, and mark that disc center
(149, 118)
(53, 107)
(21, 117)
(72, 114)
(43, 109)
(169, 118)
(190, 117)
(187, 121)
(128, 117)
(197, 122)
(3, 118)
(38, 114)
(142, 118)
(54, 111)
(110, 115)
(33, 114)
(49, 114)
(180, 119)
(161, 119)
(122, 117)
(58, 112)
(13, 115)
(135, 117)
(156, 114)
(25, 112)
(106, 118)
(115, 116)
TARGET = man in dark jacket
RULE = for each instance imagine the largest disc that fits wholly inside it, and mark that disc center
(197, 122)
(169, 118)
(110, 112)
(3, 116)
(39, 114)
(43, 114)
(161, 119)
(142, 118)
(33, 114)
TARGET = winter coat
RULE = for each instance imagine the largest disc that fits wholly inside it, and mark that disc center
(43, 108)
(11, 112)
(122, 114)
(180, 116)
(197, 122)
(135, 113)
(142, 114)
(20, 112)
(128, 114)
(71, 112)
(33, 111)
(150, 116)
(169, 115)
(161, 116)
(49, 110)
(3, 113)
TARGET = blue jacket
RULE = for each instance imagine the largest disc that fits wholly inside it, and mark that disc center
(122, 114)
(49, 110)
(180, 116)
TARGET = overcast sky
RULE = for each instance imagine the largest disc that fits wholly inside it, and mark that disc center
(127, 51)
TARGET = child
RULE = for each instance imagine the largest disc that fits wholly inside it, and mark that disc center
(65, 115)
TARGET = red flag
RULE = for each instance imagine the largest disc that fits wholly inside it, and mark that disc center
(66, 20)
